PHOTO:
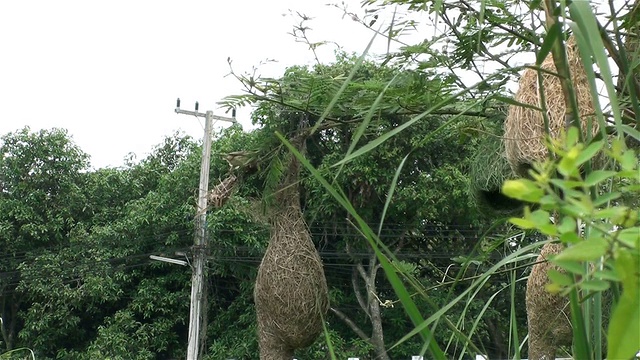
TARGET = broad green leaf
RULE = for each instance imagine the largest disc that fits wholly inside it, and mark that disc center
(613, 212)
(568, 165)
(567, 224)
(587, 153)
(522, 223)
(570, 237)
(605, 198)
(606, 275)
(548, 202)
(522, 189)
(560, 278)
(624, 326)
(574, 210)
(629, 160)
(567, 185)
(595, 285)
(630, 237)
(590, 249)
(548, 229)
(574, 267)
(597, 176)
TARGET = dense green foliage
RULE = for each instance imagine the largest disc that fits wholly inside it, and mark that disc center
(89, 290)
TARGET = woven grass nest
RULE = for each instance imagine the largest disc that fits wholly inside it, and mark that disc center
(489, 169)
(291, 295)
(524, 130)
(548, 315)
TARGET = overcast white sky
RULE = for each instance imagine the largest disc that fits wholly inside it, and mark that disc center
(110, 71)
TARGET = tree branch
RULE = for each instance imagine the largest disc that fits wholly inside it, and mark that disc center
(356, 289)
(351, 324)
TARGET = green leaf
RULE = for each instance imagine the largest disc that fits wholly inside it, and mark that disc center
(568, 165)
(567, 185)
(631, 237)
(624, 326)
(595, 285)
(567, 225)
(574, 267)
(587, 27)
(605, 198)
(522, 189)
(629, 160)
(552, 36)
(586, 154)
(597, 176)
(522, 223)
(606, 275)
(612, 213)
(570, 237)
(590, 249)
(634, 133)
(560, 278)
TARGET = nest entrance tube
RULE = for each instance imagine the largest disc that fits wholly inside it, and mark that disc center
(291, 294)
(489, 169)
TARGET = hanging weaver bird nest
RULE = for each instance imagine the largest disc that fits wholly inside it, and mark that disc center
(219, 195)
(489, 169)
(548, 315)
(291, 295)
(524, 129)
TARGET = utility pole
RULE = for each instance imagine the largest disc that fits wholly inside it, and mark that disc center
(198, 291)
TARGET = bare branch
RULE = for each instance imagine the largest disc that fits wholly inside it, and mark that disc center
(356, 289)
(351, 324)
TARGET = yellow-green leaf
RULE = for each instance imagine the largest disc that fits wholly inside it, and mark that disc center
(522, 223)
(522, 189)
(560, 278)
(586, 154)
(595, 285)
(598, 176)
(624, 326)
(590, 249)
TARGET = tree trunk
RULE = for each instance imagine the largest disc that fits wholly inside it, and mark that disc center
(9, 317)
(373, 307)
(499, 351)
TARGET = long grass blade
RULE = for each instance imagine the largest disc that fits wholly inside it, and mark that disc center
(391, 272)
(346, 82)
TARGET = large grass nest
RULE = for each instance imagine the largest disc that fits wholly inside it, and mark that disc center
(524, 129)
(548, 315)
(489, 169)
(291, 295)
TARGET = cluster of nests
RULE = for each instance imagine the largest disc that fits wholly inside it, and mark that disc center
(523, 141)
(291, 294)
(522, 144)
